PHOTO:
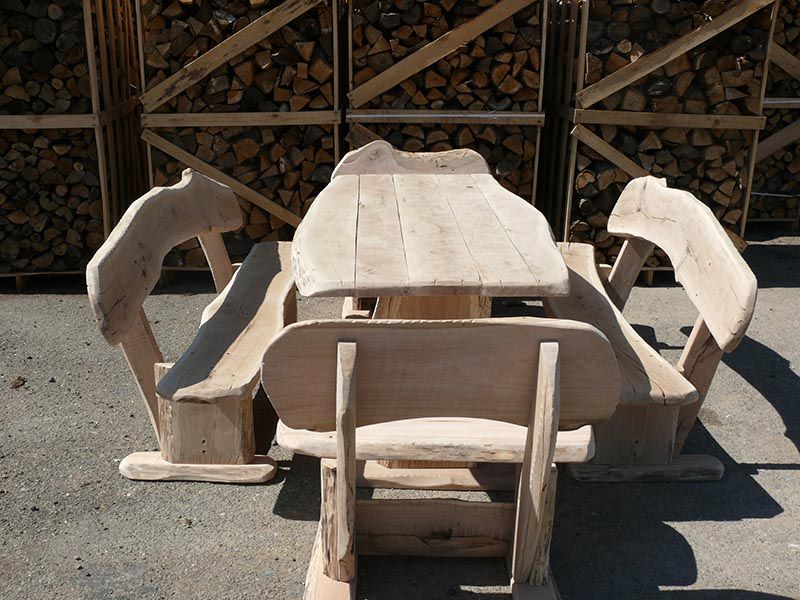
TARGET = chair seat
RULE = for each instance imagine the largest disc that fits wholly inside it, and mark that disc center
(224, 359)
(646, 377)
(446, 439)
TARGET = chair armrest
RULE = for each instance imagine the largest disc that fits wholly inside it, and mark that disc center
(224, 359)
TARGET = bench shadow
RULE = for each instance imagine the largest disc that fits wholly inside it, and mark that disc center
(774, 265)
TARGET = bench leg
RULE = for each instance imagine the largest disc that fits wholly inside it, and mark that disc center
(637, 444)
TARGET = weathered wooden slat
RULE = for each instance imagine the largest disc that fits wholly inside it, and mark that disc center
(785, 60)
(615, 156)
(265, 119)
(649, 119)
(444, 116)
(778, 140)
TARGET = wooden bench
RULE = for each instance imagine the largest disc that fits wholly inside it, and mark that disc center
(201, 407)
(365, 390)
(659, 403)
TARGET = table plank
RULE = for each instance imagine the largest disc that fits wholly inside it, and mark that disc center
(436, 254)
(380, 254)
(531, 235)
(324, 246)
(501, 267)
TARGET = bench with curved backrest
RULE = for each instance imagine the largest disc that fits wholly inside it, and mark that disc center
(659, 402)
(367, 390)
(382, 158)
(201, 408)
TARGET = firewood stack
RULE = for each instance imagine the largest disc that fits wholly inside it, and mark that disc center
(292, 69)
(721, 77)
(776, 178)
(50, 208)
(495, 74)
(289, 72)
(69, 153)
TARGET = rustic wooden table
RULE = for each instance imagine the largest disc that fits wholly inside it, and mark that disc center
(433, 239)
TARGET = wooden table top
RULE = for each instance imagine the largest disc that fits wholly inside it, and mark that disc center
(425, 235)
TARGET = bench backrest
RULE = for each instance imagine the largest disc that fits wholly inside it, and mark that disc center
(707, 264)
(128, 265)
(483, 368)
(381, 158)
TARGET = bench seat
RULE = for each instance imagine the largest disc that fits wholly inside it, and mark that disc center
(449, 439)
(647, 378)
(224, 359)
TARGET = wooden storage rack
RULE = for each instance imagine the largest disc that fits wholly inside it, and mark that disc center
(412, 53)
(614, 107)
(87, 49)
(184, 99)
(776, 174)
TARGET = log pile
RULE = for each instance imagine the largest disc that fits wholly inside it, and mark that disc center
(289, 165)
(50, 206)
(787, 35)
(509, 149)
(721, 77)
(292, 69)
(710, 163)
(43, 65)
(499, 70)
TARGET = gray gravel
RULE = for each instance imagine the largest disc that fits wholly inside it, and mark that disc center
(72, 527)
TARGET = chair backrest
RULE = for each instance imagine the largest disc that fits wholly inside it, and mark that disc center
(128, 265)
(707, 264)
(485, 368)
(381, 158)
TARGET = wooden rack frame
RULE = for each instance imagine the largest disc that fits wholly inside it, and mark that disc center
(423, 58)
(112, 64)
(201, 67)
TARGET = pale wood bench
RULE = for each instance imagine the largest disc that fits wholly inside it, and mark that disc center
(659, 402)
(200, 407)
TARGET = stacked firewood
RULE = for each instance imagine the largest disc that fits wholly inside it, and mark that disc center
(50, 208)
(288, 165)
(722, 76)
(43, 65)
(498, 70)
(290, 70)
(509, 150)
(787, 36)
(712, 164)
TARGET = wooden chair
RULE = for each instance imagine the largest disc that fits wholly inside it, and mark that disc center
(362, 390)
(659, 403)
(380, 157)
(201, 408)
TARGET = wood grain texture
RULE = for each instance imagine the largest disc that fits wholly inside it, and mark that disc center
(224, 359)
(127, 266)
(416, 369)
(482, 476)
(646, 377)
(440, 439)
(345, 518)
(150, 466)
(707, 264)
(626, 270)
(424, 234)
(687, 467)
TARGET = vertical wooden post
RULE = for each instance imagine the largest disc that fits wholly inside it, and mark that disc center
(345, 460)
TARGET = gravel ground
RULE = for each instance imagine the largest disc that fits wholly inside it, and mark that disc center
(72, 527)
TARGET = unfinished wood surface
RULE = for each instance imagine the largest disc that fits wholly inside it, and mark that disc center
(127, 267)
(218, 260)
(615, 156)
(436, 227)
(318, 585)
(224, 51)
(637, 435)
(446, 438)
(346, 376)
(785, 60)
(409, 370)
(444, 116)
(687, 467)
(434, 51)
(536, 482)
(698, 363)
(779, 139)
(224, 359)
(150, 466)
(646, 377)
(226, 119)
(650, 62)
(480, 477)
(433, 307)
(707, 264)
(434, 527)
(653, 119)
(626, 270)
(381, 158)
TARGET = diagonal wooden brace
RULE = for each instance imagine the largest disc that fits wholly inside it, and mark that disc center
(650, 62)
(785, 60)
(437, 49)
(615, 156)
(779, 139)
(202, 66)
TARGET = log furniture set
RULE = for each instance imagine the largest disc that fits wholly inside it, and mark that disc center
(416, 386)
